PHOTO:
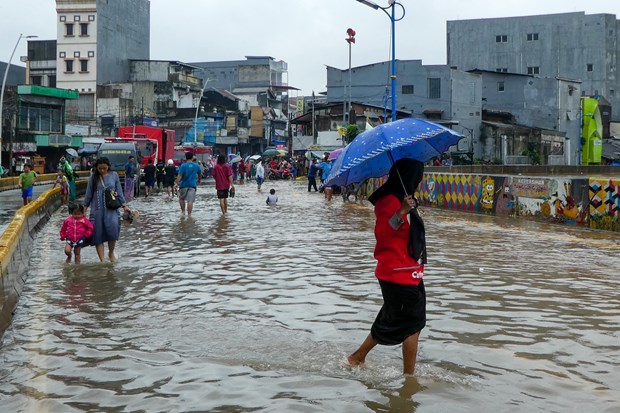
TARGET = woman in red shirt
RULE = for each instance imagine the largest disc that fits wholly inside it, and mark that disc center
(400, 251)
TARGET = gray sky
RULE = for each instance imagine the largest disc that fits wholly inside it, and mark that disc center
(307, 34)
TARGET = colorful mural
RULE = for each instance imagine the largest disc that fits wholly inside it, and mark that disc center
(604, 197)
(594, 202)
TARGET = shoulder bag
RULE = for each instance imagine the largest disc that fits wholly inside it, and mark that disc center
(110, 197)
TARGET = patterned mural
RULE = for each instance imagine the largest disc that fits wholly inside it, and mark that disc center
(604, 197)
(594, 203)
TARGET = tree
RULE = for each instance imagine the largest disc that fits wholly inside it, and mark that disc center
(351, 132)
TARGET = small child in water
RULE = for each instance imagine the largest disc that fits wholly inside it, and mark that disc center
(76, 229)
(272, 198)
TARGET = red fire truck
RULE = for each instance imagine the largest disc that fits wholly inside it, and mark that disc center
(156, 144)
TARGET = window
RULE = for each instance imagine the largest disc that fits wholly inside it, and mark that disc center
(500, 86)
(532, 37)
(62, 55)
(40, 118)
(76, 18)
(91, 18)
(76, 54)
(63, 18)
(69, 29)
(36, 80)
(501, 38)
(533, 70)
(83, 29)
(69, 66)
(612, 92)
(83, 65)
(589, 67)
(434, 88)
(502, 70)
(91, 54)
(407, 90)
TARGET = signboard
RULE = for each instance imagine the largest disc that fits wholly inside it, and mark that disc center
(59, 140)
(531, 188)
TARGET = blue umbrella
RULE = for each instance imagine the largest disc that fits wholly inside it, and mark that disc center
(372, 153)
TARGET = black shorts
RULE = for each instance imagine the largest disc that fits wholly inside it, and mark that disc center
(222, 193)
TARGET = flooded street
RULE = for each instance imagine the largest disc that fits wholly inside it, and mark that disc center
(256, 311)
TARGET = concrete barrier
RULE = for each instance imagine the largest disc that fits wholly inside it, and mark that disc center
(16, 243)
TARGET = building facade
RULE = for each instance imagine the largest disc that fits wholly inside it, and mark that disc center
(95, 40)
(572, 46)
(436, 92)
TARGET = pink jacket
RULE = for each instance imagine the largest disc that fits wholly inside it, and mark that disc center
(73, 229)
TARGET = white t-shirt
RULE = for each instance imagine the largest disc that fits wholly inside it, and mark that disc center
(272, 199)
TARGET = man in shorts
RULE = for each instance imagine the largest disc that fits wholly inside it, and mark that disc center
(186, 182)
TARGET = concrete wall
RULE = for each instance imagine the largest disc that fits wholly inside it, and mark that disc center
(123, 33)
(591, 202)
(15, 245)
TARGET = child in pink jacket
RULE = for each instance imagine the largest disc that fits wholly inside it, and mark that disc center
(76, 229)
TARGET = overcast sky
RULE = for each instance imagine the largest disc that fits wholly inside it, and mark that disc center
(307, 34)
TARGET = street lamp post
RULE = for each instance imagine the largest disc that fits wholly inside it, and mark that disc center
(350, 40)
(393, 20)
(6, 74)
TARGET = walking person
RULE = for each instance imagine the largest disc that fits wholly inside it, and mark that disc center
(106, 221)
(131, 169)
(186, 181)
(150, 172)
(260, 174)
(400, 252)
(242, 171)
(61, 181)
(67, 169)
(26, 183)
(223, 175)
(312, 171)
(160, 173)
(169, 178)
(75, 230)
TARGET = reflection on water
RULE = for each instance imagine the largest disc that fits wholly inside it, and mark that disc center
(254, 311)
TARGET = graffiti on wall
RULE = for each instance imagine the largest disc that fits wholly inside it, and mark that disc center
(594, 202)
(604, 205)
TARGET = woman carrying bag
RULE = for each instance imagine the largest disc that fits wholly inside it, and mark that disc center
(106, 221)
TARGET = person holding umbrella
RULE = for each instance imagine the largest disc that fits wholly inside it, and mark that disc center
(67, 169)
(400, 252)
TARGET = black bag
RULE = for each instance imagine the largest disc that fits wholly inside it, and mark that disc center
(231, 192)
(110, 197)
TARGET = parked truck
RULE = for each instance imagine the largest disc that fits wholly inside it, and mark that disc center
(156, 144)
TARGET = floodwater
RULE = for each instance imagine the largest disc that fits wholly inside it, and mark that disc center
(256, 311)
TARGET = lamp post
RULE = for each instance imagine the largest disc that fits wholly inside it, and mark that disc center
(347, 110)
(6, 74)
(393, 20)
(204, 86)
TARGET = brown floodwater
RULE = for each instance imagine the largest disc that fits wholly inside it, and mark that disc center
(255, 311)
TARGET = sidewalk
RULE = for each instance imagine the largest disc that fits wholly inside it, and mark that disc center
(11, 201)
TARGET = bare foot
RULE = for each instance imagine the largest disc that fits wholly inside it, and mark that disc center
(68, 260)
(351, 361)
(112, 257)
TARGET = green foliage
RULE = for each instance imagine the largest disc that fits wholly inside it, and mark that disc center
(533, 154)
(351, 133)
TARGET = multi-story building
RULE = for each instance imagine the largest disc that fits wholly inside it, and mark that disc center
(572, 46)
(547, 109)
(95, 40)
(436, 92)
(263, 82)
(41, 63)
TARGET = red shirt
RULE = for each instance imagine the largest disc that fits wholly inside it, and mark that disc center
(394, 264)
(221, 174)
